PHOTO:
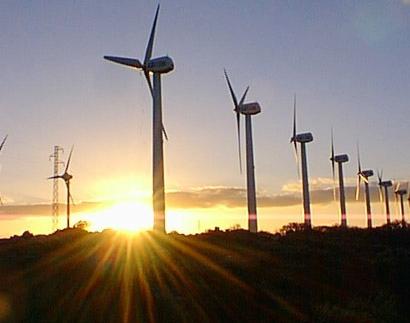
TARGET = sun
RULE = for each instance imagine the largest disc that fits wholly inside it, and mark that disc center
(124, 216)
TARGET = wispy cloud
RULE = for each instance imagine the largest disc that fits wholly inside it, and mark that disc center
(321, 193)
(16, 211)
(406, 2)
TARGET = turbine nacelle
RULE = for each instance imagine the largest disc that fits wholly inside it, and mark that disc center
(250, 108)
(340, 158)
(161, 65)
(303, 137)
(401, 192)
(366, 173)
(386, 183)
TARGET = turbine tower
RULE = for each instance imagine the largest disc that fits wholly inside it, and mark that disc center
(247, 109)
(339, 159)
(157, 67)
(1, 147)
(384, 188)
(67, 178)
(399, 194)
(303, 139)
(364, 175)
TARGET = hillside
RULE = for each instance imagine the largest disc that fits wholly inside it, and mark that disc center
(327, 275)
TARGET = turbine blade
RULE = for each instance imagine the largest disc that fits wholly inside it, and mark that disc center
(294, 119)
(358, 187)
(365, 179)
(235, 101)
(148, 52)
(72, 200)
(164, 132)
(380, 194)
(379, 176)
(359, 166)
(244, 96)
(146, 74)
(238, 128)
(130, 62)
(238, 125)
(238, 116)
(293, 139)
(296, 154)
(332, 158)
(55, 177)
(69, 159)
(2, 143)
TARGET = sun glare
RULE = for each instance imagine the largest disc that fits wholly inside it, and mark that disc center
(126, 216)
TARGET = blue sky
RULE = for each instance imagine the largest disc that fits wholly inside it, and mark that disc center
(348, 62)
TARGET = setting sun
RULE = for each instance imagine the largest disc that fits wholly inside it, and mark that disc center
(125, 216)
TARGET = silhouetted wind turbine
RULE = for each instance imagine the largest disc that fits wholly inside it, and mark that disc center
(67, 178)
(157, 66)
(1, 147)
(400, 193)
(384, 186)
(339, 159)
(364, 175)
(247, 109)
(303, 139)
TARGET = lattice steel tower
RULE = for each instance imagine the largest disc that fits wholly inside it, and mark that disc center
(56, 163)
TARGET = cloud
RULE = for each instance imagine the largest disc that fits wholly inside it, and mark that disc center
(321, 192)
(405, 2)
(16, 211)
(207, 197)
(231, 197)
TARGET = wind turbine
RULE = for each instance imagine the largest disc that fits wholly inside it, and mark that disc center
(384, 186)
(1, 147)
(339, 159)
(156, 66)
(67, 178)
(303, 139)
(399, 194)
(247, 109)
(364, 175)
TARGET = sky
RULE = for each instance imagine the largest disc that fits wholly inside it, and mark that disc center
(347, 61)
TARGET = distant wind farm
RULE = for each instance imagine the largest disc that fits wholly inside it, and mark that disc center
(152, 69)
(182, 211)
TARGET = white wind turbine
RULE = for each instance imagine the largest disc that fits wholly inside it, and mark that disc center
(157, 67)
(247, 109)
(303, 139)
(384, 194)
(364, 175)
(339, 159)
(1, 147)
(400, 193)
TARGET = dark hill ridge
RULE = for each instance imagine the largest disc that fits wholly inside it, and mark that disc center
(327, 275)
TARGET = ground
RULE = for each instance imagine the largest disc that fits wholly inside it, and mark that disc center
(323, 275)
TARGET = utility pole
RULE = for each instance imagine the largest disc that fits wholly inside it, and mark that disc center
(55, 156)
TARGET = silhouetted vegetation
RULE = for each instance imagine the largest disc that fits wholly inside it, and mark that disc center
(328, 274)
